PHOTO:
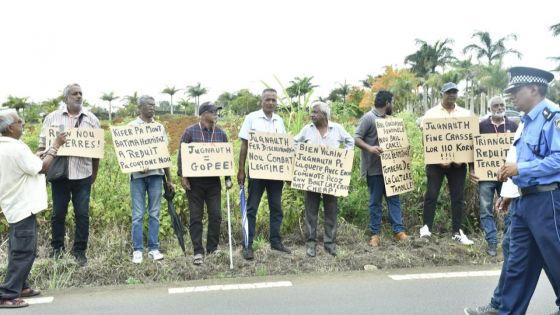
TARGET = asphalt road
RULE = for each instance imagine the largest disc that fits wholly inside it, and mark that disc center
(367, 292)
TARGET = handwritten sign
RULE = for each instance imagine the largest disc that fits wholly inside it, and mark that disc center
(490, 152)
(205, 159)
(397, 172)
(141, 147)
(449, 140)
(322, 169)
(391, 133)
(271, 156)
(82, 142)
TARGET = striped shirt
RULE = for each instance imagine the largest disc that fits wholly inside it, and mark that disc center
(78, 167)
(198, 133)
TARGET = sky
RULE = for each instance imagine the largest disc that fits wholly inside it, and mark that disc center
(144, 46)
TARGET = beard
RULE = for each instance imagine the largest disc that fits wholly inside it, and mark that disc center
(75, 106)
(389, 111)
(499, 115)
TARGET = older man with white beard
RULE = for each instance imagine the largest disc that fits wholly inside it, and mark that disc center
(496, 123)
(81, 176)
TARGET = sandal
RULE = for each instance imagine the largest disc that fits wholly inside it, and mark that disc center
(12, 303)
(29, 292)
(198, 259)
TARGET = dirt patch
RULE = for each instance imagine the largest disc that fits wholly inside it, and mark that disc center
(175, 127)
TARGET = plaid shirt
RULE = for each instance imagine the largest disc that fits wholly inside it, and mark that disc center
(199, 133)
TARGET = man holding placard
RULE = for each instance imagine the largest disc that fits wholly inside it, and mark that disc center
(149, 181)
(367, 140)
(201, 190)
(454, 172)
(267, 121)
(82, 172)
(322, 132)
(496, 124)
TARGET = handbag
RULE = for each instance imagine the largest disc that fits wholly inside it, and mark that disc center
(58, 169)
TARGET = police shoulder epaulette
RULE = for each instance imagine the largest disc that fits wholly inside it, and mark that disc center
(548, 114)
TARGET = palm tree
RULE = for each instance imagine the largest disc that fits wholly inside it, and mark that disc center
(109, 97)
(171, 91)
(427, 59)
(131, 103)
(195, 91)
(16, 103)
(300, 87)
(555, 29)
(493, 51)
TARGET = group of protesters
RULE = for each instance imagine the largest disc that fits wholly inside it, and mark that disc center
(535, 171)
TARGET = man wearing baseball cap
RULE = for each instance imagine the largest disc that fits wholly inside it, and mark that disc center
(201, 190)
(455, 173)
(535, 226)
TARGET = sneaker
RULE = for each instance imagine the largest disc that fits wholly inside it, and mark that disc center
(137, 257)
(311, 251)
(462, 238)
(481, 310)
(155, 255)
(374, 241)
(425, 231)
(198, 259)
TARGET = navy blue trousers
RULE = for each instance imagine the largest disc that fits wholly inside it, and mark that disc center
(535, 241)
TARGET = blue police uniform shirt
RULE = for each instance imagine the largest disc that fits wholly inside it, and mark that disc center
(538, 148)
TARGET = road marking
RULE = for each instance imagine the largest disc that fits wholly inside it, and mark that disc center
(438, 275)
(40, 300)
(225, 287)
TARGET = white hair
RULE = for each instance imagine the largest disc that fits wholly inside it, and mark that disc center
(494, 99)
(7, 117)
(143, 100)
(323, 107)
(68, 87)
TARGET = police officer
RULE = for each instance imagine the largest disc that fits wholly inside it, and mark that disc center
(535, 227)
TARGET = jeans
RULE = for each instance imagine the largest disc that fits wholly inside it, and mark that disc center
(376, 187)
(274, 193)
(497, 296)
(22, 249)
(205, 190)
(79, 191)
(152, 185)
(312, 202)
(486, 192)
(456, 182)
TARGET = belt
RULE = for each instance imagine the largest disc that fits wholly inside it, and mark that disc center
(538, 189)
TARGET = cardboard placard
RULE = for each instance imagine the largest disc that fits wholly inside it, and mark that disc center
(141, 147)
(206, 159)
(82, 142)
(490, 151)
(322, 169)
(449, 140)
(271, 156)
(397, 171)
(391, 133)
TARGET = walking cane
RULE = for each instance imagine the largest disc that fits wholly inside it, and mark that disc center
(229, 231)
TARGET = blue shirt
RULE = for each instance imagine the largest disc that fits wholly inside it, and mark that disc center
(538, 148)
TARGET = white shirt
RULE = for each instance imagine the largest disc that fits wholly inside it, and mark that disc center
(257, 121)
(509, 189)
(334, 137)
(23, 191)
